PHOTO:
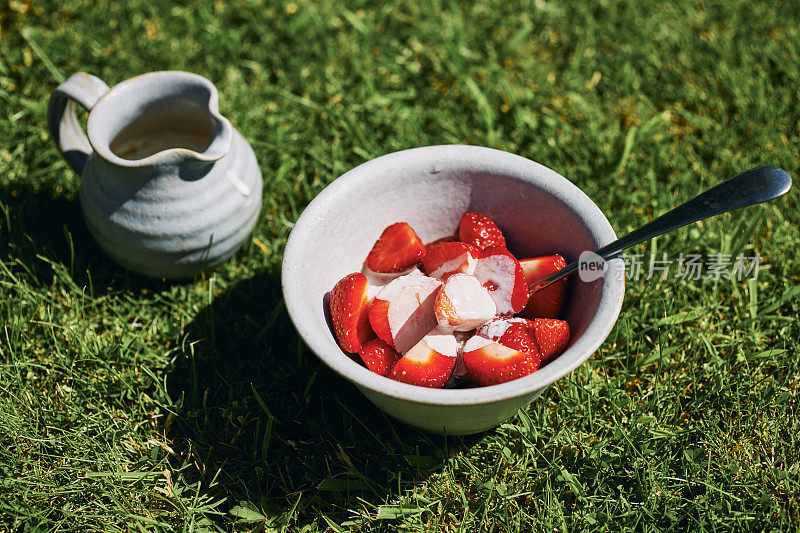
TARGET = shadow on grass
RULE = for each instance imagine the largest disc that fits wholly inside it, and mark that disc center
(262, 420)
(43, 234)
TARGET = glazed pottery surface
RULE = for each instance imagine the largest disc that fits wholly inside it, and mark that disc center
(168, 186)
(539, 211)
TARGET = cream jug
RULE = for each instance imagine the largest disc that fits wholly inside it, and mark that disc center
(168, 186)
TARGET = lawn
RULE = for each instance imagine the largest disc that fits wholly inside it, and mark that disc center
(135, 404)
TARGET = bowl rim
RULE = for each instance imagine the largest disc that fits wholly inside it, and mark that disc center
(600, 325)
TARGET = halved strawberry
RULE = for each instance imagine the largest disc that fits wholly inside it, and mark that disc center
(397, 249)
(479, 230)
(489, 362)
(447, 258)
(349, 306)
(545, 303)
(430, 362)
(402, 312)
(517, 333)
(379, 320)
(500, 272)
(379, 356)
(552, 337)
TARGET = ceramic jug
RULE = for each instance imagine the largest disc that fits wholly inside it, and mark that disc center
(168, 186)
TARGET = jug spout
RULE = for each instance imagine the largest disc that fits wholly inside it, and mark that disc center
(160, 118)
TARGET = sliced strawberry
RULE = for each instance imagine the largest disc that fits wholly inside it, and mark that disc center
(349, 306)
(402, 312)
(379, 320)
(396, 250)
(545, 303)
(500, 272)
(479, 230)
(552, 337)
(446, 258)
(489, 362)
(379, 356)
(517, 333)
(463, 304)
(430, 362)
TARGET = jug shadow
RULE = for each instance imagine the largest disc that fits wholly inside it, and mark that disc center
(263, 420)
(42, 229)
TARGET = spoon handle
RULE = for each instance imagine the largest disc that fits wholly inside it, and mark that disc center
(750, 187)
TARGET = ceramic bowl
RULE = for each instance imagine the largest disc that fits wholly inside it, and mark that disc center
(539, 211)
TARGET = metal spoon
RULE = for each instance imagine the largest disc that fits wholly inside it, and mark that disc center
(751, 187)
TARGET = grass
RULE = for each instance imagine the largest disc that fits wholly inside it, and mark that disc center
(133, 404)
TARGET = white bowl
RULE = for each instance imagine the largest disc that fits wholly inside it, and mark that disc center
(539, 212)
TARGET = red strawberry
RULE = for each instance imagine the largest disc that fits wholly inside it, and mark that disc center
(349, 308)
(545, 303)
(489, 362)
(447, 258)
(480, 231)
(501, 273)
(397, 249)
(552, 337)
(379, 356)
(517, 333)
(430, 362)
(379, 320)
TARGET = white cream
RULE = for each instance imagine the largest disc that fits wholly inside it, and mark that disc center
(442, 341)
(476, 342)
(495, 328)
(413, 281)
(410, 314)
(468, 300)
(499, 270)
(378, 280)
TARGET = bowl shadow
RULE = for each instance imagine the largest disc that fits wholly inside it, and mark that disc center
(43, 233)
(267, 421)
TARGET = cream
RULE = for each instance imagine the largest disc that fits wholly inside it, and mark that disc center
(442, 341)
(410, 313)
(465, 304)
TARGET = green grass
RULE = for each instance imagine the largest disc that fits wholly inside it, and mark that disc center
(132, 404)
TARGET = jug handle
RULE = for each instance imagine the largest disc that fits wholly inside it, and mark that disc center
(62, 121)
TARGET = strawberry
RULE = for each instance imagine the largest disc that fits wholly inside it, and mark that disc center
(545, 303)
(379, 320)
(501, 273)
(430, 362)
(489, 362)
(447, 258)
(396, 250)
(480, 231)
(552, 337)
(379, 356)
(517, 333)
(402, 312)
(349, 307)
